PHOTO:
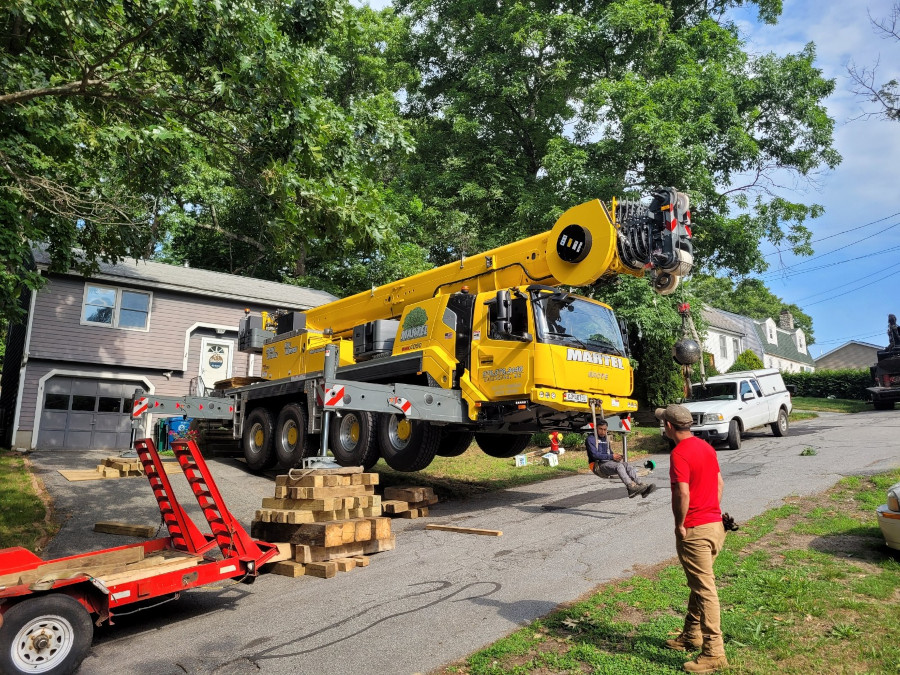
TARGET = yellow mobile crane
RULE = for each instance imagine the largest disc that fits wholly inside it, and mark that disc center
(488, 347)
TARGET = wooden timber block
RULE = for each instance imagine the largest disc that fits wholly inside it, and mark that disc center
(409, 493)
(345, 564)
(330, 504)
(285, 552)
(62, 569)
(394, 506)
(323, 570)
(307, 554)
(284, 516)
(170, 565)
(381, 527)
(415, 513)
(464, 530)
(330, 534)
(326, 492)
(424, 503)
(272, 532)
(280, 492)
(113, 527)
(361, 560)
(288, 568)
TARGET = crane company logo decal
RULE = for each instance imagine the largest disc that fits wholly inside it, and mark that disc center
(289, 348)
(502, 374)
(593, 357)
(415, 325)
(271, 353)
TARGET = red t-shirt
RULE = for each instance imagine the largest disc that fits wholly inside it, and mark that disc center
(694, 462)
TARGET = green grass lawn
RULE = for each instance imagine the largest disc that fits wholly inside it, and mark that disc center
(842, 405)
(805, 588)
(24, 519)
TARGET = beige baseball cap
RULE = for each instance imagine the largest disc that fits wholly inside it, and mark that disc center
(676, 414)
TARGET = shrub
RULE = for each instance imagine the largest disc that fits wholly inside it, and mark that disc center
(746, 360)
(847, 383)
(569, 441)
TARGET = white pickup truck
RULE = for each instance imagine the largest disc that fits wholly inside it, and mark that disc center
(730, 404)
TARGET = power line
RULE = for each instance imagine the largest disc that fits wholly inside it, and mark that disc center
(844, 339)
(822, 267)
(838, 234)
(818, 302)
(849, 282)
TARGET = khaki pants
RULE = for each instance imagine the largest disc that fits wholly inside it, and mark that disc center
(697, 552)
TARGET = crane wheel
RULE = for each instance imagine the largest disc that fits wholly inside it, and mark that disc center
(257, 440)
(291, 440)
(407, 445)
(49, 634)
(502, 445)
(352, 440)
(454, 443)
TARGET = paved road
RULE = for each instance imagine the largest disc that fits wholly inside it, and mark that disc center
(439, 595)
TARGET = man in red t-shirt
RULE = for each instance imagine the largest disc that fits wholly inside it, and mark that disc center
(699, 534)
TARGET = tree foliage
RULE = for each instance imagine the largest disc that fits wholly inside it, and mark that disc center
(240, 134)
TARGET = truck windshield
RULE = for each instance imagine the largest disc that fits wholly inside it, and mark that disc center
(564, 319)
(719, 391)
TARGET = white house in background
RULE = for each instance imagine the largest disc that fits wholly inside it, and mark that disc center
(780, 345)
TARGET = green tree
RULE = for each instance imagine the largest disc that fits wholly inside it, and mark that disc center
(749, 297)
(524, 109)
(886, 96)
(229, 132)
(746, 360)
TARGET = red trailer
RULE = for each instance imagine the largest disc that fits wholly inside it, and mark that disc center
(48, 607)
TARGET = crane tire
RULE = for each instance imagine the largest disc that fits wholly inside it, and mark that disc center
(454, 443)
(59, 621)
(502, 445)
(352, 440)
(257, 441)
(407, 445)
(291, 440)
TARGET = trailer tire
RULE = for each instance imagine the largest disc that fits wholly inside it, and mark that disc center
(502, 445)
(407, 445)
(352, 440)
(291, 440)
(454, 443)
(257, 441)
(49, 634)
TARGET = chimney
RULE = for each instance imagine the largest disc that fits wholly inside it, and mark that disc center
(786, 320)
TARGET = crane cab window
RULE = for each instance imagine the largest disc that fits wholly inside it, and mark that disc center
(518, 319)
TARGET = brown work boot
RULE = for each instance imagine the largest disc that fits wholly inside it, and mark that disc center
(683, 643)
(648, 489)
(706, 664)
(634, 490)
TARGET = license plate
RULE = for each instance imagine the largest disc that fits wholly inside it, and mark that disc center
(575, 397)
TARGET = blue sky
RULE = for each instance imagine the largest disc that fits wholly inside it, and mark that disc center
(853, 282)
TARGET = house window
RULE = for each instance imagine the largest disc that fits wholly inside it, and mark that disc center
(115, 308)
(723, 346)
(736, 349)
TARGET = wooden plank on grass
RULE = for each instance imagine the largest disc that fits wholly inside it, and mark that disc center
(464, 530)
(115, 527)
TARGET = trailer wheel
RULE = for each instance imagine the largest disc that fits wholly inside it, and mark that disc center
(50, 634)
(780, 426)
(257, 440)
(407, 445)
(454, 443)
(502, 445)
(734, 435)
(291, 440)
(351, 440)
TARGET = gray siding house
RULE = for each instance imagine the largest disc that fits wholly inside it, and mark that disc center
(852, 354)
(71, 370)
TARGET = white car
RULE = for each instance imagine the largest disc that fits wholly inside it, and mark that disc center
(889, 517)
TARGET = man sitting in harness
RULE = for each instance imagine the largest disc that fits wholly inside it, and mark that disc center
(606, 463)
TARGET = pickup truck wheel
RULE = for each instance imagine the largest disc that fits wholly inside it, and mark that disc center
(454, 443)
(734, 435)
(257, 440)
(405, 444)
(883, 405)
(50, 634)
(291, 441)
(502, 445)
(780, 426)
(351, 440)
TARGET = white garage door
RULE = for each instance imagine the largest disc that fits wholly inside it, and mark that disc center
(83, 413)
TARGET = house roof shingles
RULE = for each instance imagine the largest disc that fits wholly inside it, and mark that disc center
(204, 282)
(785, 349)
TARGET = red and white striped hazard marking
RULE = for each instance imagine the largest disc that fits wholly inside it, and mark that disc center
(140, 407)
(334, 397)
(402, 404)
(626, 424)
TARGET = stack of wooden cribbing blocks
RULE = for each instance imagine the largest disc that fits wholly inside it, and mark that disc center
(331, 518)
(117, 467)
(408, 502)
